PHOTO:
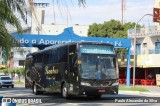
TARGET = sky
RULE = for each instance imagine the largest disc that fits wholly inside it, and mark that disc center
(97, 11)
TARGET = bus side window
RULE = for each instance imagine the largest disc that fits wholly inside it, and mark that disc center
(46, 57)
(54, 56)
(114, 62)
(39, 58)
(33, 60)
(63, 54)
(28, 62)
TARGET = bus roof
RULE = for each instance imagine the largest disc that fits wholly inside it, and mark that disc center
(70, 43)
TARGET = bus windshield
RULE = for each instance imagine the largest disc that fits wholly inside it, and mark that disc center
(99, 67)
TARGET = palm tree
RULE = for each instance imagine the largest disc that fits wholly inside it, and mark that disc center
(82, 2)
(9, 11)
(8, 17)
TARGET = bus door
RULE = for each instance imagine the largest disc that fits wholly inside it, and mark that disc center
(73, 70)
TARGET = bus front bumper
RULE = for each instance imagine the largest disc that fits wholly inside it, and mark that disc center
(90, 90)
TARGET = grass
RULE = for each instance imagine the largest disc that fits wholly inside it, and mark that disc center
(141, 89)
(17, 82)
(1, 71)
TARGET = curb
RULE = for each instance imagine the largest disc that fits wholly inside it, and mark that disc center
(138, 92)
(151, 93)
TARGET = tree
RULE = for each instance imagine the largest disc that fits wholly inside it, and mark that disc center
(19, 74)
(111, 29)
(5, 71)
(12, 72)
(82, 2)
(107, 29)
(22, 71)
(9, 11)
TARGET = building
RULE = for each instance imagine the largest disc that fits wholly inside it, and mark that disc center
(147, 56)
(39, 28)
(19, 57)
(147, 52)
(147, 49)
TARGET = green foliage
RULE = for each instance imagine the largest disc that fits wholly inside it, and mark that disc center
(9, 18)
(110, 29)
(97, 30)
(12, 71)
(1, 70)
(18, 72)
(141, 89)
(5, 71)
(22, 71)
(18, 82)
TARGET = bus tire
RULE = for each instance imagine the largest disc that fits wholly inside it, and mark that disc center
(64, 91)
(35, 91)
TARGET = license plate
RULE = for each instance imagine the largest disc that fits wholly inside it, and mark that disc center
(101, 90)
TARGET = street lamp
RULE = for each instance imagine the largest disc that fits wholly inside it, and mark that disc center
(134, 67)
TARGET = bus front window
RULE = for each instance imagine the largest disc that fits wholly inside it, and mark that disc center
(98, 67)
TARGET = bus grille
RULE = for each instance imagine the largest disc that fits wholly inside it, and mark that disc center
(108, 83)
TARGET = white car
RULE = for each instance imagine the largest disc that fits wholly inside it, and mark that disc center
(6, 81)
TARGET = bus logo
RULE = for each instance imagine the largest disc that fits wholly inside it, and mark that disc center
(52, 71)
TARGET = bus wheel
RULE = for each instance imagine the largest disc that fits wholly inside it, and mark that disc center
(64, 91)
(35, 91)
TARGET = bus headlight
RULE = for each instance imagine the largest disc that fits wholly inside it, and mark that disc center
(115, 84)
(85, 83)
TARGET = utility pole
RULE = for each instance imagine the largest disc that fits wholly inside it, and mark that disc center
(123, 10)
(134, 65)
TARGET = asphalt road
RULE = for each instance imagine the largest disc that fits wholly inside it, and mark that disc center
(56, 99)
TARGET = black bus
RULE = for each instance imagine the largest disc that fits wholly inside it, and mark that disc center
(76, 68)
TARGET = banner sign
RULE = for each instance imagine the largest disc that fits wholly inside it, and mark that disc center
(32, 40)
